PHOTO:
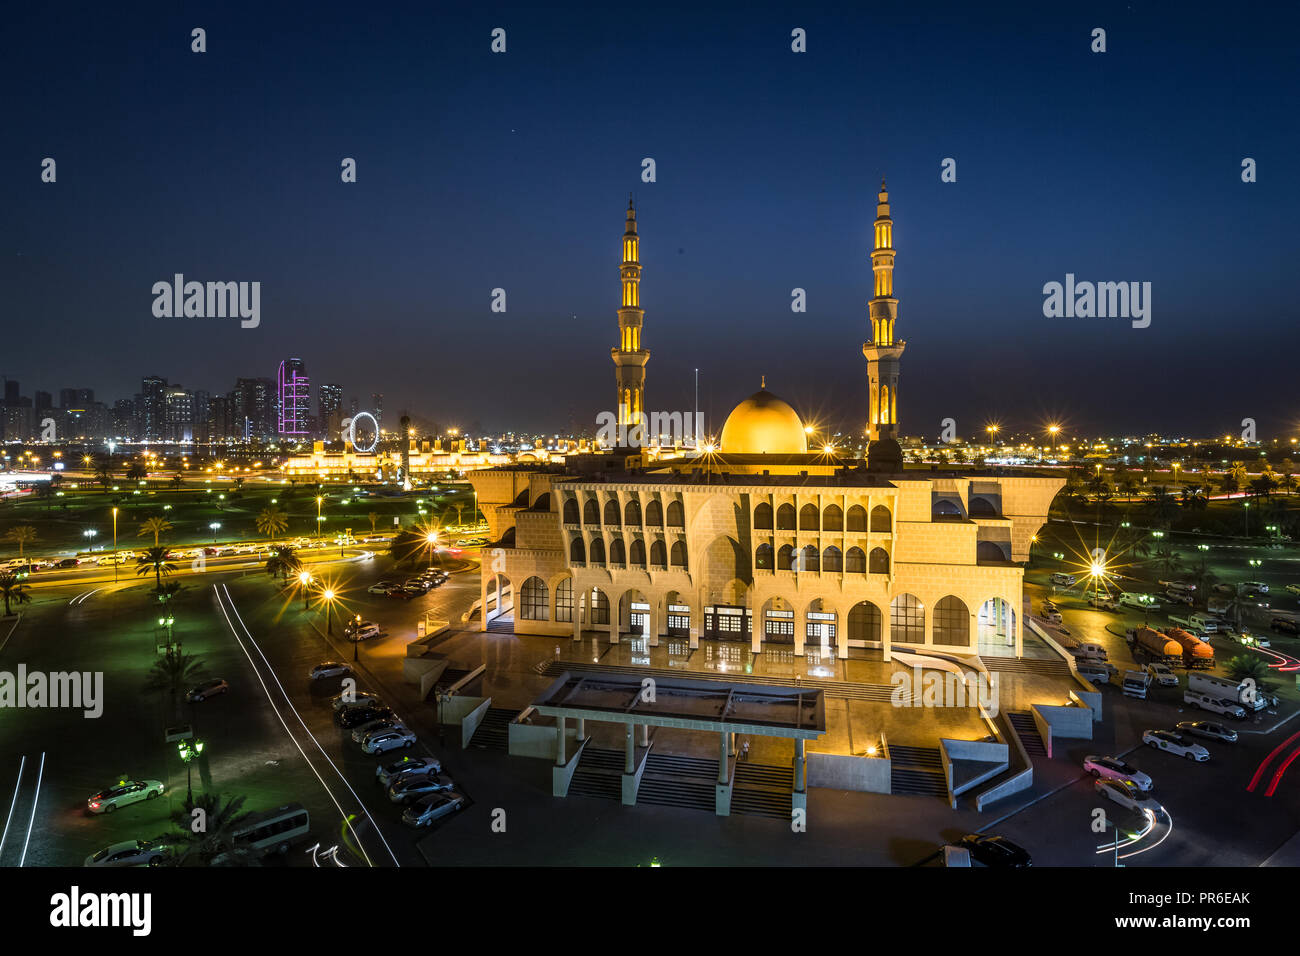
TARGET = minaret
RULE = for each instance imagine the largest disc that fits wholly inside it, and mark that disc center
(883, 352)
(629, 357)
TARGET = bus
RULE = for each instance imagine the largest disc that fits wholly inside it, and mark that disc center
(273, 830)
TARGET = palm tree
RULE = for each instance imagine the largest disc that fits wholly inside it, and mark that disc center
(221, 817)
(12, 589)
(154, 560)
(1167, 559)
(136, 471)
(1235, 478)
(1245, 666)
(1162, 503)
(104, 473)
(173, 672)
(22, 535)
(284, 563)
(1201, 575)
(168, 591)
(272, 521)
(177, 481)
(155, 527)
(373, 516)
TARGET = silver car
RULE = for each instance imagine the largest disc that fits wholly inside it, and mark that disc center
(378, 725)
(1112, 768)
(124, 794)
(381, 741)
(209, 688)
(130, 853)
(424, 811)
(389, 772)
(1125, 794)
(329, 669)
(1207, 729)
(407, 788)
(348, 698)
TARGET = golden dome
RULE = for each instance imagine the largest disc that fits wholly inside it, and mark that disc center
(764, 425)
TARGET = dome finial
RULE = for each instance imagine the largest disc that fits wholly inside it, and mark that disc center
(762, 381)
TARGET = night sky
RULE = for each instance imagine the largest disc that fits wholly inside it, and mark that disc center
(478, 170)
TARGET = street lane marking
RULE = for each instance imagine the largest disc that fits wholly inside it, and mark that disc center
(12, 803)
(35, 800)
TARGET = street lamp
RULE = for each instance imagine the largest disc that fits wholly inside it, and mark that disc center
(114, 545)
(328, 595)
(214, 527)
(188, 751)
(1053, 429)
(304, 581)
(319, 499)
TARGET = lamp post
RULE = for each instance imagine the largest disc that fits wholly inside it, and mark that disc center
(328, 595)
(1053, 429)
(114, 545)
(188, 751)
(214, 527)
(319, 499)
(304, 582)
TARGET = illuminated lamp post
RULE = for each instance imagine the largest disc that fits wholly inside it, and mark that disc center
(328, 596)
(114, 545)
(304, 582)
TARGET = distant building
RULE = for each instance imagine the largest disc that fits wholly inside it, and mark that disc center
(329, 404)
(151, 408)
(293, 390)
(253, 412)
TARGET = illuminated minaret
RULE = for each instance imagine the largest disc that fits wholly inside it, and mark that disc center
(883, 352)
(629, 357)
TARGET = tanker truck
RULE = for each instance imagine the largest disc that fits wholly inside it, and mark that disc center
(1196, 653)
(1159, 647)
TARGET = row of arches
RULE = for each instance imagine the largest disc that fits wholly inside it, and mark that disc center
(629, 514)
(852, 561)
(633, 554)
(830, 518)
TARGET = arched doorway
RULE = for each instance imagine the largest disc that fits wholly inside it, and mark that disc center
(821, 629)
(778, 621)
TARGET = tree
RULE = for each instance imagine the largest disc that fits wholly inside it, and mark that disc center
(1245, 666)
(221, 818)
(1162, 503)
(272, 521)
(283, 562)
(178, 481)
(12, 589)
(1201, 575)
(155, 527)
(136, 471)
(1167, 559)
(172, 673)
(104, 473)
(154, 561)
(22, 535)
(373, 516)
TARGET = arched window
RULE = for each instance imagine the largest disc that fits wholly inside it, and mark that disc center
(599, 607)
(855, 561)
(617, 552)
(832, 559)
(952, 622)
(982, 508)
(857, 518)
(808, 559)
(808, 518)
(564, 601)
(676, 517)
(990, 551)
(611, 513)
(658, 554)
(832, 518)
(944, 508)
(654, 514)
(597, 551)
(570, 510)
(591, 512)
(577, 551)
(864, 622)
(532, 600)
(632, 513)
(636, 553)
(679, 554)
(784, 557)
(763, 517)
(785, 518)
(878, 561)
(763, 557)
(881, 520)
(907, 620)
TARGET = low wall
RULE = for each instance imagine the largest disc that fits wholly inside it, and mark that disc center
(848, 772)
(1017, 782)
(538, 740)
(453, 710)
(1091, 697)
(981, 751)
(561, 777)
(423, 671)
(469, 723)
(1072, 722)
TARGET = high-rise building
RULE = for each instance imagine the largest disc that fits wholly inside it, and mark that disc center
(629, 357)
(151, 408)
(125, 420)
(179, 414)
(76, 397)
(883, 352)
(294, 393)
(254, 408)
(329, 403)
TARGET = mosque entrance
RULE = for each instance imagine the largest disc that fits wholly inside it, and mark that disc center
(727, 622)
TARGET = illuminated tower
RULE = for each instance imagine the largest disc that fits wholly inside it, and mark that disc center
(629, 358)
(883, 352)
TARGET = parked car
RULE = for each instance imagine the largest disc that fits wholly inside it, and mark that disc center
(1094, 671)
(358, 714)
(1214, 704)
(1207, 729)
(419, 584)
(329, 669)
(124, 794)
(209, 688)
(410, 786)
(379, 587)
(350, 697)
(361, 630)
(1112, 768)
(1162, 675)
(364, 730)
(995, 851)
(1103, 602)
(1252, 587)
(130, 853)
(69, 563)
(432, 807)
(389, 772)
(1051, 616)
(1284, 625)
(1125, 794)
(1179, 597)
(1062, 579)
(382, 741)
(401, 591)
(1293, 588)
(1175, 744)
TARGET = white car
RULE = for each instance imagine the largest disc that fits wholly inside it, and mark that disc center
(124, 794)
(378, 725)
(1103, 602)
(1162, 675)
(1112, 768)
(130, 853)
(382, 741)
(380, 587)
(1125, 794)
(1171, 742)
(431, 807)
(361, 630)
(329, 669)
(348, 698)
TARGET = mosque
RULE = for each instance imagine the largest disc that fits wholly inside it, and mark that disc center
(761, 540)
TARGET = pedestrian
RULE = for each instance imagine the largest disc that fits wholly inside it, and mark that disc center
(744, 750)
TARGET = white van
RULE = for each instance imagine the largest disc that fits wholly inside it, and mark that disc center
(1062, 579)
(1143, 602)
(1091, 652)
(1135, 684)
(1215, 705)
(1204, 622)
(1094, 673)
(273, 830)
(1185, 621)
